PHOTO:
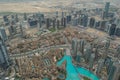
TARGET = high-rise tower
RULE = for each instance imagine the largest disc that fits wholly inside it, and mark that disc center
(3, 34)
(74, 46)
(114, 72)
(4, 58)
(107, 6)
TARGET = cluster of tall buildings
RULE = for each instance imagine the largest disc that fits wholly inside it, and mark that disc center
(12, 23)
(40, 21)
(104, 22)
(82, 49)
(58, 22)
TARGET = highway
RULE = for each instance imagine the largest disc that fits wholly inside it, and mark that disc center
(38, 50)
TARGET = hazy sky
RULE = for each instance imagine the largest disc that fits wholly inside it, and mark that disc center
(115, 1)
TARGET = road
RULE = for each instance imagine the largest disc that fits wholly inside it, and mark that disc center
(38, 50)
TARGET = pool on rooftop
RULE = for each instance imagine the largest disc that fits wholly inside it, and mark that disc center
(73, 72)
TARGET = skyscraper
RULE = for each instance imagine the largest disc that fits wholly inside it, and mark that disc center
(84, 20)
(16, 18)
(91, 61)
(92, 22)
(107, 27)
(78, 57)
(21, 30)
(108, 63)
(88, 52)
(75, 21)
(25, 16)
(74, 46)
(65, 23)
(56, 14)
(62, 14)
(100, 65)
(39, 22)
(54, 23)
(82, 44)
(3, 34)
(117, 33)
(5, 18)
(62, 21)
(107, 45)
(68, 18)
(112, 29)
(118, 51)
(114, 72)
(103, 25)
(47, 22)
(58, 24)
(107, 6)
(4, 58)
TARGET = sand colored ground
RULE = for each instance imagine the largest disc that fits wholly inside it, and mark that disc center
(42, 6)
(24, 7)
(97, 32)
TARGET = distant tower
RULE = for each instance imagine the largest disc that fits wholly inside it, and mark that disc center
(74, 46)
(84, 20)
(47, 22)
(75, 21)
(16, 18)
(69, 18)
(118, 51)
(117, 33)
(58, 24)
(107, 44)
(112, 30)
(5, 18)
(62, 14)
(54, 21)
(107, 9)
(91, 61)
(82, 45)
(103, 25)
(39, 22)
(3, 34)
(56, 14)
(4, 58)
(12, 17)
(25, 16)
(114, 72)
(62, 21)
(88, 52)
(92, 22)
(100, 65)
(12, 30)
(64, 24)
(108, 63)
(78, 57)
(21, 30)
(108, 27)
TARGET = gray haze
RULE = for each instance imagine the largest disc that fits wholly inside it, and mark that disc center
(17, 0)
